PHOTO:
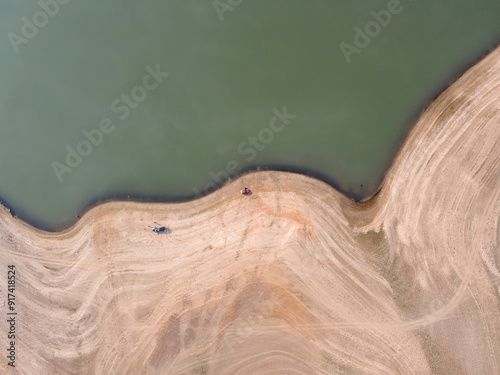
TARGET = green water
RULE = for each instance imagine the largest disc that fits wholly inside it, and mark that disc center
(225, 78)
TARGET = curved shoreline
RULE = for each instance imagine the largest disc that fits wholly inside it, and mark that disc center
(406, 130)
(296, 276)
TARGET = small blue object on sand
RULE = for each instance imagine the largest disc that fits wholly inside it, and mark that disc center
(160, 230)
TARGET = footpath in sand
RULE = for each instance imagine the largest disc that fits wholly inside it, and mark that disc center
(295, 279)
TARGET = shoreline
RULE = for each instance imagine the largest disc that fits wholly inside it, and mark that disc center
(407, 129)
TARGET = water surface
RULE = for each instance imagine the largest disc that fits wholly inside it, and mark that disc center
(225, 79)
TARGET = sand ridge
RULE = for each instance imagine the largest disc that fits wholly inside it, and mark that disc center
(295, 279)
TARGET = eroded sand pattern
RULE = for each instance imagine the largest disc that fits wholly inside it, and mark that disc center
(295, 279)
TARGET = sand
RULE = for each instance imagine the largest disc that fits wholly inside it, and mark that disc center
(295, 279)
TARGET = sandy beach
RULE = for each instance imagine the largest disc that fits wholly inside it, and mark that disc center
(294, 279)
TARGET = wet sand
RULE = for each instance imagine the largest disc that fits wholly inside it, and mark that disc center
(295, 279)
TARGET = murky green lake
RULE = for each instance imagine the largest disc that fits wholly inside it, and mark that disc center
(158, 99)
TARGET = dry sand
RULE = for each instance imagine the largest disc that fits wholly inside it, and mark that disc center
(296, 279)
